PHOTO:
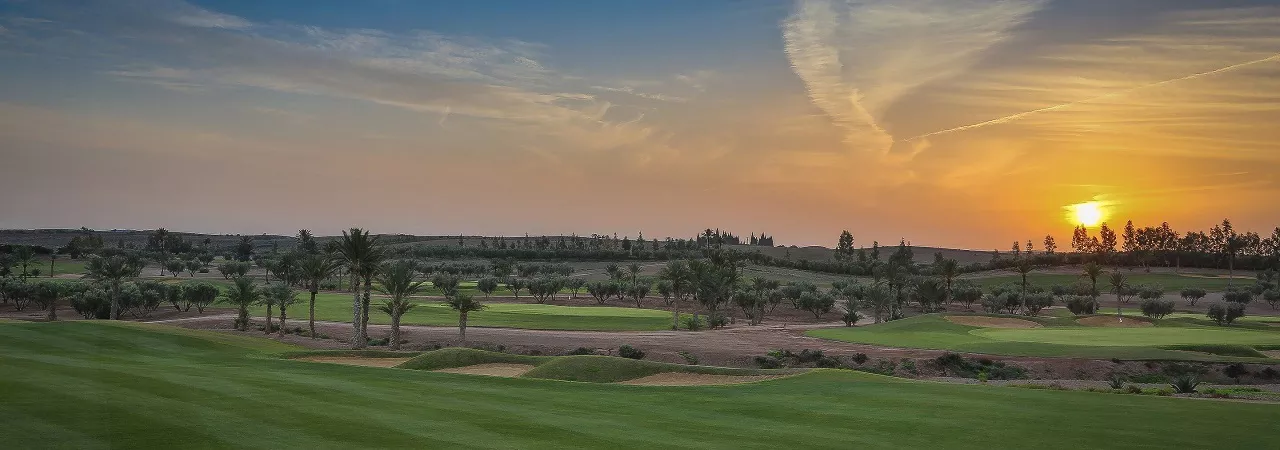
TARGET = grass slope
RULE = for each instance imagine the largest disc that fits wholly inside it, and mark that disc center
(93, 385)
(1059, 337)
(587, 368)
(337, 307)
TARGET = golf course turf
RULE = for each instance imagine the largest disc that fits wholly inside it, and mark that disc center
(337, 307)
(96, 385)
(1061, 337)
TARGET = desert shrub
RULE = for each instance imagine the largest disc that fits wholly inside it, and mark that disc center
(827, 362)
(717, 321)
(372, 342)
(1269, 373)
(1225, 314)
(850, 318)
(1184, 384)
(1180, 369)
(909, 366)
(1238, 296)
(859, 358)
(693, 323)
(1081, 305)
(689, 358)
(1116, 381)
(1034, 303)
(1150, 292)
(808, 356)
(959, 366)
(1155, 308)
(1235, 371)
(581, 351)
(768, 362)
(627, 351)
(1133, 389)
(1193, 295)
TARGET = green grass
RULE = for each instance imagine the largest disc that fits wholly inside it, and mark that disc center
(94, 385)
(448, 358)
(612, 369)
(1172, 282)
(1060, 337)
(337, 307)
(1219, 349)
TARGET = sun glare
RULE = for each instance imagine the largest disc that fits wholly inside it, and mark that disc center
(1089, 214)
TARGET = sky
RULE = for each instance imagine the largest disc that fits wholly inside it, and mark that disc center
(953, 123)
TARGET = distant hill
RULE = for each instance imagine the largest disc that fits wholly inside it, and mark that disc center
(818, 253)
(59, 237)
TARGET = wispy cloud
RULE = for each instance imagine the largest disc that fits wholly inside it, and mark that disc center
(858, 58)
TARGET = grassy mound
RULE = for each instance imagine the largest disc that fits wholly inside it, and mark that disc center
(612, 369)
(448, 358)
(350, 353)
(1219, 349)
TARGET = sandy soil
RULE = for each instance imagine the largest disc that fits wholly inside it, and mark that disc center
(493, 370)
(355, 360)
(1108, 321)
(695, 379)
(1272, 353)
(992, 322)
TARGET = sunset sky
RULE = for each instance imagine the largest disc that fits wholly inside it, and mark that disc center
(958, 123)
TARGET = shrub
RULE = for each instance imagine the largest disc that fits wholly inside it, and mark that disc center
(689, 358)
(1133, 389)
(827, 362)
(1225, 314)
(1185, 384)
(850, 318)
(808, 356)
(768, 362)
(717, 321)
(627, 351)
(377, 342)
(693, 323)
(957, 365)
(1269, 373)
(1193, 295)
(581, 351)
(1272, 296)
(1235, 371)
(1034, 303)
(1156, 309)
(1238, 296)
(909, 366)
(859, 358)
(1081, 305)
(1116, 381)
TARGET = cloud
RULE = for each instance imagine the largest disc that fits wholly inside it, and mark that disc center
(858, 58)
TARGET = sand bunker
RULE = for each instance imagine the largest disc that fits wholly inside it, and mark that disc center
(992, 322)
(694, 379)
(493, 370)
(1271, 353)
(356, 360)
(1112, 321)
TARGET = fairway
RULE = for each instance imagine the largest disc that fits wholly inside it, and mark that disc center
(97, 385)
(1061, 337)
(337, 308)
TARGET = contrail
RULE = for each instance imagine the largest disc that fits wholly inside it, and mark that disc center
(1020, 115)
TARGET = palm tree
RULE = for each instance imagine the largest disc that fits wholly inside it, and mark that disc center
(242, 293)
(1119, 283)
(268, 299)
(1093, 271)
(24, 256)
(396, 280)
(463, 303)
(111, 271)
(283, 295)
(314, 269)
(949, 269)
(681, 278)
(362, 255)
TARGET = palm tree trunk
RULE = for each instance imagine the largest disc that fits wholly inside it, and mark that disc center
(358, 340)
(267, 330)
(675, 314)
(53, 311)
(282, 317)
(462, 327)
(364, 307)
(311, 315)
(395, 332)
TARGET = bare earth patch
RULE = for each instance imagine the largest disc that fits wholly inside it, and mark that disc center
(992, 322)
(1271, 353)
(356, 360)
(493, 370)
(694, 379)
(1111, 321)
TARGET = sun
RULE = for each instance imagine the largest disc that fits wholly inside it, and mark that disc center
(1089, 214)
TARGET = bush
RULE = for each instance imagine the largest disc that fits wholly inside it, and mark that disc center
(1155, 308)
(1185, 384)
(581, 351)
(1193, 295)
(1269, 373)
(693, 323)
(808, 356)
(859, 358)
(768, 362)
(689, 358)
(1225, 314)
(1034, 303)
(1116, 381)
(909, 366)
(1081, 305)
(1235, 371)
(1238, 296)
(1133, 389)
(850, 318)
(717, 321)
(627, 351)
(379, 342)
(827, 362)
(958, 366)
